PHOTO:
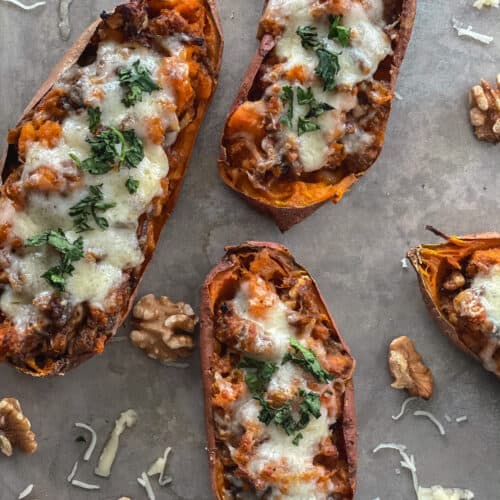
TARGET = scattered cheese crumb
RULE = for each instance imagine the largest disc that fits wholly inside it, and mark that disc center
(479, 4)
(447, 418)
(72, 474)
(85, 486)
(25, 492)
(432, 493)
(408, 461)
(403, 408)
(23, 6)
(93, 441)
(145, 483)
(432, 418)
(461, 31)
(404, 263)
(159, 467)
(64, 26)
(399, 97)
(440, 493)
(108, 455)
(459, 420)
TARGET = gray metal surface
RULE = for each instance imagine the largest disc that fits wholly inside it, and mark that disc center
(432, 170)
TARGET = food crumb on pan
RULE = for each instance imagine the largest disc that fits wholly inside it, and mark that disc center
(468, 32)
(64, 24)
(24, 6)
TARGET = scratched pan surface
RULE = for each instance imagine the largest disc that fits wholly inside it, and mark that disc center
(431, 171)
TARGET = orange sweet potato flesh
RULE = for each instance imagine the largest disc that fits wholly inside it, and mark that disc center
(270, 261)
(289, 200)
(433, 263)
(67, 349)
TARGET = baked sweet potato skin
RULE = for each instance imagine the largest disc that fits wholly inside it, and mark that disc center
(151, 224)
(207, 346)
(287, 216)
(458, 247)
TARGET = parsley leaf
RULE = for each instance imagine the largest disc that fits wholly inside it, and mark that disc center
(109, 147)
(308, 360)
(305, 96)
(133, 152)
(69, 252)
(318, 108)
(89, 207)
(257, 374)
(338, 32)
(297, 438)
(283, 416)
(328, 67)
(308, 36)
(94, 118)
(135, 80)
(132, 185)
(304, 125)
(287, 99)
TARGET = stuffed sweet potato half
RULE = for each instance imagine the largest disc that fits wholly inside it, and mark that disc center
(91, 173)
(279, 400)
(460, 284)
(310, 115)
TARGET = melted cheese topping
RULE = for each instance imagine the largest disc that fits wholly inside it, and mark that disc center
(299, 476)
(369, 45)
(117, 248)
(440, 493)
(274, 331)
(488, 286)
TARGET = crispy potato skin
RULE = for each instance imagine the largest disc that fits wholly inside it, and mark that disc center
(151, 224)
(458, 247)
(207, 346)
(317, 194)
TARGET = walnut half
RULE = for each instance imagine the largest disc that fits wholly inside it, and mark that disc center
(15, 428)
(408, 369)
(485, 111)
(164, 328)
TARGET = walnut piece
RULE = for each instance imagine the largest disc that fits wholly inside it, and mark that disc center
(408, 369)
(485, 111)
(15, 428)
(162, 328)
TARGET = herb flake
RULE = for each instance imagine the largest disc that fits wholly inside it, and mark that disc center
(136, 80)
(342, 34)
(69, 252)
(305, 358)
(257, 374)
(89, 207)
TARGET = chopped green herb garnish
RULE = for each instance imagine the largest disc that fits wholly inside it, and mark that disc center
(287, 99)
(69, 252)
(304, 125)
(328, 67)
(305, 358)
(308, 36)
(89, 207)
(136, 80)
(297, 438)
(338, 32)
(317, 109)
(110, 147)
(94, 118)
(132, 185)
(284, 415)
(257, 374)
(305, 96)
